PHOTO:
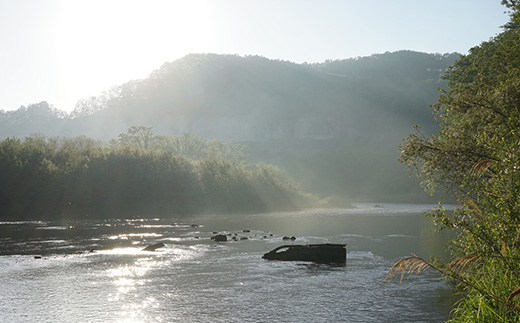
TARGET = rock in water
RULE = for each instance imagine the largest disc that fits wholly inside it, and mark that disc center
(154, 246)
(219, 237)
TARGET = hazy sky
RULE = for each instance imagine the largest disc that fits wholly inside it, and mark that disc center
(61, 51)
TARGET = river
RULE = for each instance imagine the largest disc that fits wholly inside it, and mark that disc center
(96, 271)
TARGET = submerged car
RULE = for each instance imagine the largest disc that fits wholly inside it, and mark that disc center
(320, 253)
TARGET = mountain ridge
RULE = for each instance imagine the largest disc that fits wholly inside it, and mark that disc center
(321, 113)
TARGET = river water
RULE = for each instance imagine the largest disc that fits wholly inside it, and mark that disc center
(96, 271)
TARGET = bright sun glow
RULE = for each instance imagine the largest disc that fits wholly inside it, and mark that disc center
(111, 42)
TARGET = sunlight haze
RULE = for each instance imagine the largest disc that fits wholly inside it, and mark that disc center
(63, 51)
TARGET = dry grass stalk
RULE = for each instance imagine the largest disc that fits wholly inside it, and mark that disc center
(513, 294)
(416, 265)
(458, 265)
(482, 166)
(409, 265)
(473, 210)
(472, 207)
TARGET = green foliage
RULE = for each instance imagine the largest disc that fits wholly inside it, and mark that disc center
(139, 175)
(476, 157)
(188, 145)
(137, 136)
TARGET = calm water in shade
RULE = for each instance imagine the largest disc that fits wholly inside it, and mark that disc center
(95, 271)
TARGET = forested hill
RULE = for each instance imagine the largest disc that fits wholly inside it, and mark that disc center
(333, 126)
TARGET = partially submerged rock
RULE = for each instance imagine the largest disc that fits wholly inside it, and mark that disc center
(154, 246)
(219, 238)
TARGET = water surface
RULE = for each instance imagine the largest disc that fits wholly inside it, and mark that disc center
(96, 271)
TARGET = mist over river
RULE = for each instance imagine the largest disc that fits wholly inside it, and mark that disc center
(96, 271)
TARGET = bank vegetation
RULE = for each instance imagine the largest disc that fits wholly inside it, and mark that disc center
(475, 157)
(137, 174)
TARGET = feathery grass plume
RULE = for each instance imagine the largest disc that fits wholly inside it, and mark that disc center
(473, 209)
(481, 166)
(458, 265)
(415, 264)
(409, 265)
